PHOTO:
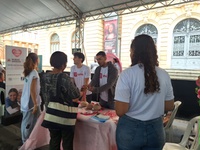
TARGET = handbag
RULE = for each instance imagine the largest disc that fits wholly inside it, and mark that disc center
(60, 113)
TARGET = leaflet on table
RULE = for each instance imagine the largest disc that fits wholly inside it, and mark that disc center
(100, 118)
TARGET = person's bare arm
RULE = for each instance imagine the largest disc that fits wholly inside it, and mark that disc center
(121, 108)
(85, 86)
(86, 81)
(169, 105)
(33, 94)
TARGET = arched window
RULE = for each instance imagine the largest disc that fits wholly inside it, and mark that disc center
(187, 38)
(186, 44)
(148, 29)
(54, 43)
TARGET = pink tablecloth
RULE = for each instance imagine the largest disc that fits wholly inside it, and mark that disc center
(92, 135)
(89, 134)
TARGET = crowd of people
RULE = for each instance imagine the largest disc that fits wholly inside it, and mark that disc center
(140, 95)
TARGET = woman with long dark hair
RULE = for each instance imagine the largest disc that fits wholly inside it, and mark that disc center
(30, 99)
(143, 93)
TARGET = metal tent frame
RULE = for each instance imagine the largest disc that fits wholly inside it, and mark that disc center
(76, 14)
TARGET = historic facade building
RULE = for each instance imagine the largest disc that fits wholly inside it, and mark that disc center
(175, 30)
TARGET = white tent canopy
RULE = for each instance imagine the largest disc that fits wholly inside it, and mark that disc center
(25, 14)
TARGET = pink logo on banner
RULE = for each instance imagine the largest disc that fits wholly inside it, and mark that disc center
(75, 74)
(16, 52)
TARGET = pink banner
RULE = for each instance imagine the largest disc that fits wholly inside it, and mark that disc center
(110, 36)
(15, 58)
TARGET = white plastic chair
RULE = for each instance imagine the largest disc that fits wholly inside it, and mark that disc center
(188, 142)
(168, 127)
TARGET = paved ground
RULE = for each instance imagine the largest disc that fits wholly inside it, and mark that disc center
(10, 136)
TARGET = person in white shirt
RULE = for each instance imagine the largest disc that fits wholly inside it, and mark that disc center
(80, 76)
(30, 99)
(143, 92)
(104, 81)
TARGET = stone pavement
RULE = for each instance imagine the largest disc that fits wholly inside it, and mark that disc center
(10, 136)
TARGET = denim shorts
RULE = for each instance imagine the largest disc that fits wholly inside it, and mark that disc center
(133, 134)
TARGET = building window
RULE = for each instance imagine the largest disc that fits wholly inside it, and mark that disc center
(54, 43)
(186, 38)
(148, 29)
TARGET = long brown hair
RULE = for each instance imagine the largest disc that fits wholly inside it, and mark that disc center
(30, 63)
(144, 52)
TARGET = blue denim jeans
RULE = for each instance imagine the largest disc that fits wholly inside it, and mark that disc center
(133, 134)
(28, 122)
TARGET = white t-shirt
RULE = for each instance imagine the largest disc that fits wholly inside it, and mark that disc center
(103, 80)
(26, 102)
(130, 89)
(79, 74)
